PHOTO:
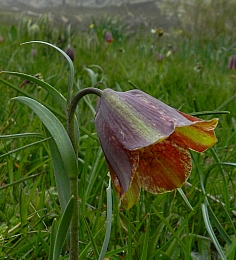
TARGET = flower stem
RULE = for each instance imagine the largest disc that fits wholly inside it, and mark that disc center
(71, 112)
(74, 229)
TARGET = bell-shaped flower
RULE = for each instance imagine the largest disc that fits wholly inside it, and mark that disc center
(232, 62)
(146, 142)
(70, 52)
(108, 37)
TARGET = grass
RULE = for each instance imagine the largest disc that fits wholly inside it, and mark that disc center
(158, 226)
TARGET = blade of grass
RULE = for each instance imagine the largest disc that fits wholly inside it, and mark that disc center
(38, 135)
(23, 147)
(231, 250)
(23, 213)
(50, 89)
(21, 180)
(204, 113)
(56, 112)
(171, 229)
(130, 251)
(185, 198)
(108, 222)
(57, 131)
(60, 173)
(219, 227)
(54, 230)
(210, 230)
(63, 228)
(146, 240)
(71, 78)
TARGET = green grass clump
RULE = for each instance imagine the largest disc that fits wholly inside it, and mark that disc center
(192, 77)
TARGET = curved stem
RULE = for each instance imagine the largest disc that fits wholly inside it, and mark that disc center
(71, 111)
(74, 229)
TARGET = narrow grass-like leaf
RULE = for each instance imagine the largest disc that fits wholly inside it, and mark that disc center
(154, 240)
(57, 131)
(14, 136)
(19, 181)
(146, 239)
(219, 227)
(108, 221)
(92, 75)
(231, 250)
(92, 177)
(19, 90)
(223, 173)
(100, 68)
(211, 232)
(92, 239)
(171, 229)
(71, 78)
(204, 249)
(60, 173)
(63, 228)
(23, 147)
(185, 198)
(40, 215)
(23, 212)
(226, 102)
(50, 89)
(205, 113)
(129, 255)
(54, 230)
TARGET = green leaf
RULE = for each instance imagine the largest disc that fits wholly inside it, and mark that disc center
(211, 232)
(219, 227)
(71, 79)
(57, 131)
(19, 90)
(146, 240)
(231, 250)
(204, 249)
(204, 113)
(92, 75)
(63, 228)
(23, 147)
(13, 136)
(91, 236)
(21, 180)
(53, 234)
(61, 176)
(184, 198)
(50, 89)
(108, 222)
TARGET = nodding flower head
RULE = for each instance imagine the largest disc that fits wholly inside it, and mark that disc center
(71, 53)
(232, 62)
(146, 142)
(108, 37)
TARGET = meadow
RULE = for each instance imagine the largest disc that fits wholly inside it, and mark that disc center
(186, 70)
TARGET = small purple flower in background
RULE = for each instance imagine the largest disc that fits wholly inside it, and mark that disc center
(174, 49)
(108, 37)
(160, 57)
(232, 62)
(71, 53)
(34, 52)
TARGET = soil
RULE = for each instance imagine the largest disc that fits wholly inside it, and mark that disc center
(135, 15)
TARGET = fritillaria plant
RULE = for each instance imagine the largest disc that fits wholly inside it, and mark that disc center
(145, 142)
